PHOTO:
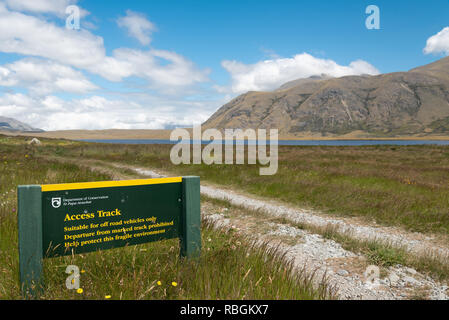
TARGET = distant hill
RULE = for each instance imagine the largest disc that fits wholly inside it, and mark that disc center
(10, 124)
(395, 104)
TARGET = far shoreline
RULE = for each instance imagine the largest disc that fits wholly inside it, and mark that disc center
(123, 134)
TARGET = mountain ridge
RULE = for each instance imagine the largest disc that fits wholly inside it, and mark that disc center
(13, 125)
(414, 102)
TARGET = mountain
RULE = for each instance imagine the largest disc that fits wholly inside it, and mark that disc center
(387, 105)
(303, 81)
(10, 124)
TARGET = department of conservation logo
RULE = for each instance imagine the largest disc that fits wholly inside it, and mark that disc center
(55, 202)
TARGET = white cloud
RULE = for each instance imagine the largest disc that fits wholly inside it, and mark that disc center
(82, 49)
(438, 43)
(55, 60)
(166, 71)
(40, 6)
(163, 69)
(53, 7)
(42, 77)
(270, 74)
(36, 37)
(96, 112)
(138, 26)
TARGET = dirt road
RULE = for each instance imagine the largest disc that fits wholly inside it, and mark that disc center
(291, 229)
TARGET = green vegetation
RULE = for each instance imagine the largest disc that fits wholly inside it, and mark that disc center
(385, 255)
(231, 266)
(405, 186)
(376, 252)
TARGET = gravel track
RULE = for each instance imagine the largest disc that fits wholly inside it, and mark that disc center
(344, 270)
(415, 243)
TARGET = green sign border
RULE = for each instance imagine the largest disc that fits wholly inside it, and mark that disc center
(31, 237)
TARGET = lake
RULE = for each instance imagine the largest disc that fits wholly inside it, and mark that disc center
(290, 142)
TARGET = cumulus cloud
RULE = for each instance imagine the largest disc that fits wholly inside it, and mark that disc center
(163, 69)
(138, 26)
(61, 60)
(438, 43)
(98, 112)
(270, 74)
(42, 77)
(81, 49)
(40, 6)
(52, 7)
(36, 37)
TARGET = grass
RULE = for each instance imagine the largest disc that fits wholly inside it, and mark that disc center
(406, 186)
(386, 255)
(376, 252)
(231, 266)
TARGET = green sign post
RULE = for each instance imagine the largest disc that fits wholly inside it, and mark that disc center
(63, 219)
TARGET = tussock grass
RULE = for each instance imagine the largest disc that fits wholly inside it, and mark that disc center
(377, 252)
(405, 186)
(386, 255)
(230, 267)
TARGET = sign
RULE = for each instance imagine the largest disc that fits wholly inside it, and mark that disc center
(65, 219)
(102, 215)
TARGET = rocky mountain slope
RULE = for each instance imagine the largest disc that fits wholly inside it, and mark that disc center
(402, 103)
(10, 124)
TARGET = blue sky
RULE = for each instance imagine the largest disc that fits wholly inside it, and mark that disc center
(152, 64)
(211, 31)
